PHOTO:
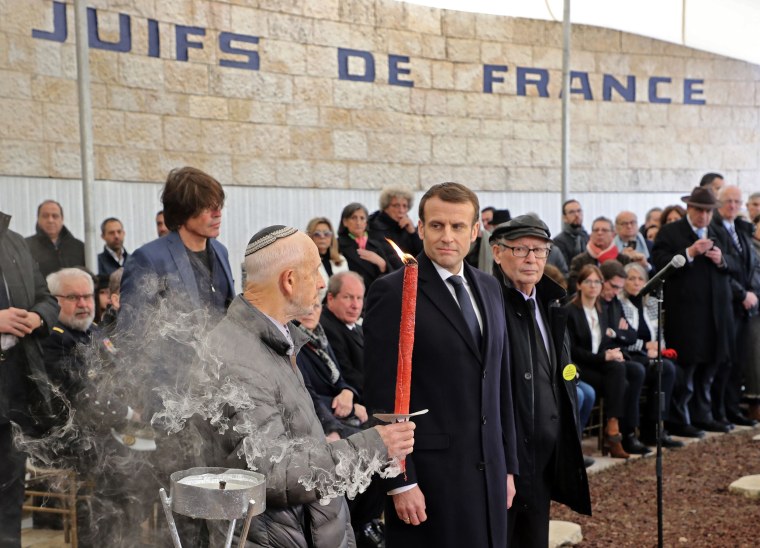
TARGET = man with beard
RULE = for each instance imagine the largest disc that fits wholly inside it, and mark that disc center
(114, 255)
(573, 238)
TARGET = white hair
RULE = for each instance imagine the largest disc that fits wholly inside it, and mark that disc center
(269, 262)
(56, 279)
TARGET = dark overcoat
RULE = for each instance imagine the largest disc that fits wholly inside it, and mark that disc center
(569, 481)
(348, 347)
(741, 265)
(465, 445)
(698, 321)
(68, 253)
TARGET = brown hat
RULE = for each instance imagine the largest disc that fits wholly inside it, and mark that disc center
(701, 197)
(524, 225)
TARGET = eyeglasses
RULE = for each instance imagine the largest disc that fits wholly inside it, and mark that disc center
(321, 234)
(523, 251)
(76, 298)
(627, 223)
(591, 282)
(600, 229)
(573, 211)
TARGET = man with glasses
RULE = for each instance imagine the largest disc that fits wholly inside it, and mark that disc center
(599, 249)
(549, 448)
(573, 238)
(630, 241)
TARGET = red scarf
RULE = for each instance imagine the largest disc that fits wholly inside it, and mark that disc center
(602, 255)
(361, 241)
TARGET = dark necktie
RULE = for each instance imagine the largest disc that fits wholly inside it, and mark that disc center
(735, 238)
(465, 304)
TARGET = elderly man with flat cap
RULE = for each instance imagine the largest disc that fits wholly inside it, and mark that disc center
(698, 319)
(276, 431)
(543, 383)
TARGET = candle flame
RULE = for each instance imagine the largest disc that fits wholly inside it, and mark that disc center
(405, 257)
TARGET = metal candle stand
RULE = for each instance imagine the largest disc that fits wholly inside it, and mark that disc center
(215, 493)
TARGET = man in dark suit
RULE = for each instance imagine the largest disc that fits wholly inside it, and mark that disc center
(550, 456)
(53, 246)
(188, 264)
(27, 310)
(735, 238)
(114, 255)
(345, 300)
(697, 318)
(459, 484)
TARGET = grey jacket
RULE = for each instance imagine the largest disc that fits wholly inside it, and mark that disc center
(274, 429)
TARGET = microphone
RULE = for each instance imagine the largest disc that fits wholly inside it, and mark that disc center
(676, 262)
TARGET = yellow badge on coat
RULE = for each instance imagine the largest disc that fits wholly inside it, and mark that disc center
(569, 372)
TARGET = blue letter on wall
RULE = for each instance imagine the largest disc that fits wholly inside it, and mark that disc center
(653, 81)
(627, 92)
(125, 33)
(489, 78)
(59, 25)
(225, 44)
(585, 87)
(541, 82)
(394, 70)
(154, 39)
(183, 43)
(369, 65)
(689, 91)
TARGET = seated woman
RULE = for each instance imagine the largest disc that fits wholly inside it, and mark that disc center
(605, 368)
(333, 398)
(364, 255)
(641, 314)
(320, 230)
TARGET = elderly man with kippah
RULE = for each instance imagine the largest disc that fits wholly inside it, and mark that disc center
(276, 430)
(543, 383)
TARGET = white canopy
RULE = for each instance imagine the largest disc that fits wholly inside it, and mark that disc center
(724, 27)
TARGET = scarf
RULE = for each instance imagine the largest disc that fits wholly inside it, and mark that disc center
(361, 241)
(318, 344)
(602, 255)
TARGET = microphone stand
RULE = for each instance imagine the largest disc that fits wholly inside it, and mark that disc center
(658, 294)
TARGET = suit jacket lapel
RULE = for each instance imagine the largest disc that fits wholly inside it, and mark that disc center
(185, 271)
(432, 286)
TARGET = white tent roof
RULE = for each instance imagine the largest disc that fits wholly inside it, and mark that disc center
(724, 27)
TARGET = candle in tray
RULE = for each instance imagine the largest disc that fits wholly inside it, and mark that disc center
(222, 482)
(406, 332)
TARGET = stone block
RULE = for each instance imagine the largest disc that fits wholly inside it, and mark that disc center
(27, 158)
(434, 102)
(224, 137)
(329, 174)
(47, 58)
(564, 533)
(433, 47)
(49, 89)
(262, 86)
(484, 152)
(442, 75)
(253, 171)
(332, 33)
(322, 9)
(311, 143)
(118, 163)
(18, 85)
(449, 150)
(285, 6)
(518, 108)
(458, 24)
(186, 78)
(743, 156)
(394, 98)
(389, 14)
(208, 107)
(500, 128)
(303, 116)
(321, 61)
(352, 94)
(468, 77)
(462, 50)
(126, 99)
(533, 131)
(65, 161)
(360, 12)
(293, 173)
(533, 179)
(349, 145)
(517, 153)
(269, 141)
(492, 53)
(250, 21)
(61, 123)
(400, 148)
(402, 42)
(142, 72)
(290, 28)
(377, 175)
(182, 134)
(143, 131)
(108, 127)
(285, 57)
(482, 105)
(494, 27)
(749, 486)
(422, 19)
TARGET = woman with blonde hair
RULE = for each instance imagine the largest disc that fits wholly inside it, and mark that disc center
(320, 230)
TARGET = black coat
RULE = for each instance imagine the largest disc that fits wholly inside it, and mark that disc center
(27, 290)
(382, 226)
(69, 253)
(613, 312)
(465, 445)
(580, 338)
(569, 481)
(698, 319)
(348, 346)
(107, 265)
(741, 265)
(367, 270)
(571, 242)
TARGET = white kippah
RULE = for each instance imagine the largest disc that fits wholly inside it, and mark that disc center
(268, 236)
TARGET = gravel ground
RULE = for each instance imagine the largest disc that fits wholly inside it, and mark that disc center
(698, 508)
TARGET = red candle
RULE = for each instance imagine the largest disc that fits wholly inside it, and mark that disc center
(406, 337)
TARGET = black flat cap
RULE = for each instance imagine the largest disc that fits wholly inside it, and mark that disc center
(524, 225)
(268, 236)
(500, 216)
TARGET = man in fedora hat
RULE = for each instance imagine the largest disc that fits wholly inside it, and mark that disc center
(698, 322)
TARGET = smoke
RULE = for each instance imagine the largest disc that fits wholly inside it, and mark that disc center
(163, 364)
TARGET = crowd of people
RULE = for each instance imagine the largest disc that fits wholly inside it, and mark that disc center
(518, 334)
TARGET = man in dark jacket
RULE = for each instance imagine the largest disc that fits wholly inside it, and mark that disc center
(53, 246)
(698, 322)
(27, 310)
(114, 255)
(543, 383)
(573, 238)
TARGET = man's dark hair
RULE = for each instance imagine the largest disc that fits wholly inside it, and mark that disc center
(708, 178)
(159, 212)
(604, 219)
(611, 269)
(187, 192)
(106, 221)
(39, 207)
(492, 209)
(451, 192)
(570, 201)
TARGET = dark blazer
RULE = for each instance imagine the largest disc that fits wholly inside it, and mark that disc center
(698, 320)
(564, 461)
(580, 338)
(69, 253)
(107, 265)
(30, 400)
(368, 271)
(465, 445)
(613, 312)
(348, 346)
(166, 259)
(740, 264)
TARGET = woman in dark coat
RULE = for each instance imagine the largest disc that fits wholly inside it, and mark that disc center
(604, 367)
(365, 256)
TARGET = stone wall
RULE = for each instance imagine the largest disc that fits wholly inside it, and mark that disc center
(294, 122)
